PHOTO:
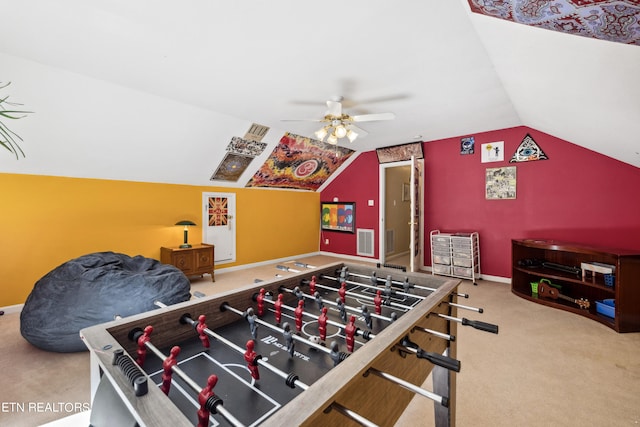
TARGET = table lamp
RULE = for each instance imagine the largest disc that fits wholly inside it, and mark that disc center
(186, 224)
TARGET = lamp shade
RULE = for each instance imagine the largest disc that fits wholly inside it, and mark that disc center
(185, 222)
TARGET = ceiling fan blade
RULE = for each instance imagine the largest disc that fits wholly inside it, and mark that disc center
(361, 132)
(302, 120)
(335, 108)
(373, 117)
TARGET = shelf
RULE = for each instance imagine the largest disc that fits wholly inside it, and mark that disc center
(625, 290)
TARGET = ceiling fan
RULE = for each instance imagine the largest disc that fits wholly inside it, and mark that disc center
(338, 125)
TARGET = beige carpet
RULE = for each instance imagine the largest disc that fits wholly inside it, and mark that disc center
(545, 368)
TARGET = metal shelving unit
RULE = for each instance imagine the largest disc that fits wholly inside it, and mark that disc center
(455, 255)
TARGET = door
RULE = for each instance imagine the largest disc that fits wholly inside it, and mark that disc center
(416, 213)
(218, 219)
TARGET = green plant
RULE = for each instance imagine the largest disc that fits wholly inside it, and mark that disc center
(8, 138)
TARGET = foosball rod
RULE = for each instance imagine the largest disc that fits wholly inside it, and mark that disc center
(436, 333)
(476, 324)
(444, 401)
(290, 379)
(396, 292)
(396, 282)
(360, 332)
(226, 306)
(359, 296)
(347, 307)
(350, 414)
(217, 405)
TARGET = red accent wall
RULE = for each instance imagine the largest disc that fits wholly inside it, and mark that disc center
(576, 195)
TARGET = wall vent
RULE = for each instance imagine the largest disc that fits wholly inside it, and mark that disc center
(365, 242)
(390, 241)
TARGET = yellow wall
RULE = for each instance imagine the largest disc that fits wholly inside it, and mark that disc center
(46, 221)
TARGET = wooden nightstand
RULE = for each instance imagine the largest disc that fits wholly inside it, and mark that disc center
(193, 261)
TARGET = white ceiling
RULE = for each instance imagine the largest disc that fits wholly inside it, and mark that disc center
(442, 70)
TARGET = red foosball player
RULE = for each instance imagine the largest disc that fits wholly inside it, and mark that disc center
(278, 308)
(200, 327)
(377, 301)
(322, 324)
(342, 292)
(251, 357)
(298, 313)
(260, 300)
(312, 285)
(142, 348)
(350, 332)
(167, 368)
(203, 396)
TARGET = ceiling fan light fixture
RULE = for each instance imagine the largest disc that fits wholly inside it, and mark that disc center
(321, 133)
(352, 135)
(333, 139)
(340, 131)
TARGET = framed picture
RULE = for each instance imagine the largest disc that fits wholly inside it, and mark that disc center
(338, 216)
(501, 183)
(406, 192)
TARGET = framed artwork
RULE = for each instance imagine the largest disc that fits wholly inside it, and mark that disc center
(338, 216)
(406, 192)
(492, 152)
(467, 145)
(501, 183)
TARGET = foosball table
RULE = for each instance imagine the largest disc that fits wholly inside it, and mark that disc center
(343, 344)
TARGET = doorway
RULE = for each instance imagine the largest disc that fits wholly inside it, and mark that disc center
(219, 226)
(401, 195)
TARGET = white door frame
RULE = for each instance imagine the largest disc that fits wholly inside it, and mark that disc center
(231, 226)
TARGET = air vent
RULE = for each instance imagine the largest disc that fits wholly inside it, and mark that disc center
(365, 242)
(390, 241)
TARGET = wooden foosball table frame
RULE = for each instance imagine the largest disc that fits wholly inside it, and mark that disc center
(348, 384)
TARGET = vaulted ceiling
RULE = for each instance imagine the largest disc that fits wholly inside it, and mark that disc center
(445, 68)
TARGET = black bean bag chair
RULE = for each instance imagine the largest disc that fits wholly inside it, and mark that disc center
(94, 289)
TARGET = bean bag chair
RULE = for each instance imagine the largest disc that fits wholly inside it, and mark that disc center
(94, 289)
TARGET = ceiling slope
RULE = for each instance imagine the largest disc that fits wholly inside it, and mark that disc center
(155, 90)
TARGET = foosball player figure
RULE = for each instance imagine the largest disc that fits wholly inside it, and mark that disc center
(374, 279)
(251, 357)
(377, 301)
(299, 294)
(322, 324)
(394, 316)
(318, 299)
(406, 285)
(203, 396)
(342, 292)
(288, 338)
(350, 332)
(260, 301)
(298, 314)
(312, 285)
(278, 308)
(200, 328)
(167, 368)
(335, 354)
(367, 316)
(253, 324)
(142, 348)
(342, 309)
(387, 287)
(343, 274)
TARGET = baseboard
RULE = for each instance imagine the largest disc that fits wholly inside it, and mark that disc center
(261, 263)
(12, 308)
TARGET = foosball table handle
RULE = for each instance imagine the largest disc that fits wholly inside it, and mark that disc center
(483, 326)
(439, 360)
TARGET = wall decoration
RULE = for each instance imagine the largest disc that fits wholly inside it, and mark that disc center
(231, 168)
(406, 192)
(246, 147)
(398, 153)
(217, 211)
(338, 216)
(500, 183)
(492, 152)
(611, 20)
(467, 145)
(301, 163)
(528, 151)
(256, 132)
